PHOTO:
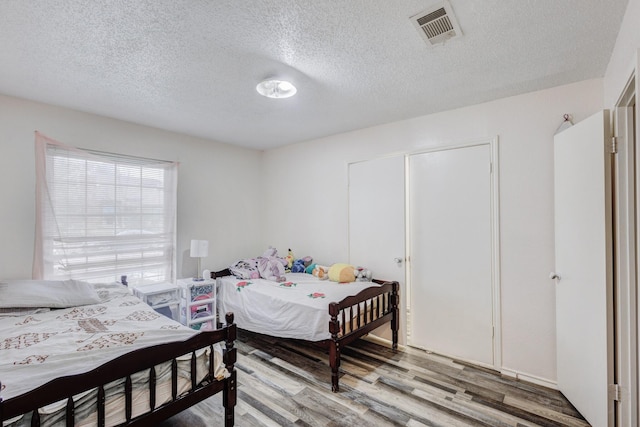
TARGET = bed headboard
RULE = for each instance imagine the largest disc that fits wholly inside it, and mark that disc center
(221, 273)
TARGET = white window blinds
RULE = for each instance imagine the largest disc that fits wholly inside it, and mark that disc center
(101, 216)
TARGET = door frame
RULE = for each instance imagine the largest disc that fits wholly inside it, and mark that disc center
(493, 144)
(626, 176)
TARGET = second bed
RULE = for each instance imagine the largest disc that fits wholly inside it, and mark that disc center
(304, 307)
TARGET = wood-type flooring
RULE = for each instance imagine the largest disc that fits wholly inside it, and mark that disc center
(287, 383)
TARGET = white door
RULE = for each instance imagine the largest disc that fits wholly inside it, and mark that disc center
(583, 245)
(450, 241)
(377, 224)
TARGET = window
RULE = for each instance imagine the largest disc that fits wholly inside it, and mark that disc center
(101, 216)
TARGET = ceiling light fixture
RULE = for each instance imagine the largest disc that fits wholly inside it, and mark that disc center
(276, 88)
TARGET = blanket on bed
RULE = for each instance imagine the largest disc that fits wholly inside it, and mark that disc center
(41, 345)
(294, 308)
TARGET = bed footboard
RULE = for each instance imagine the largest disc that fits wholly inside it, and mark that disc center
(145, 359)
(360, 314)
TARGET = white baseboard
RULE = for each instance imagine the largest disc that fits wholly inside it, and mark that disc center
(529, 378)
(382, 341)
(511, 373)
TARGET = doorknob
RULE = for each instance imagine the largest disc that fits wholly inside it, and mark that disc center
(554, 276)
(398, 261)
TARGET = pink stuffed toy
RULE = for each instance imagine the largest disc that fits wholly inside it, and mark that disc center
(270, 266)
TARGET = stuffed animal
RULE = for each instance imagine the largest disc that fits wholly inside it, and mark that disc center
(289, 258)
(342, 273)
(321, 272)
(245, 269)
(362, 274)
(270, 266)
(302, 265)
(298, 266)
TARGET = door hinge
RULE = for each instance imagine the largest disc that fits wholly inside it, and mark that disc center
(614, 145)
(614, 392)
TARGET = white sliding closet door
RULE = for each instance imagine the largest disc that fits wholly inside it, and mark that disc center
(377, 224)
(450, 241)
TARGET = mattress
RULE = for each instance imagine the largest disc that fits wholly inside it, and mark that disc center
(296, 308)
(36, 348)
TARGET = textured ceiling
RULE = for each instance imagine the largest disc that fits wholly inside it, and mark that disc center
(191, 66)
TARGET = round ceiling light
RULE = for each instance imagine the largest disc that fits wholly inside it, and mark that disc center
(276, 89)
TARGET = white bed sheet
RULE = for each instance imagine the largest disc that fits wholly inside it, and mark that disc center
(297, 308)
(37, 348)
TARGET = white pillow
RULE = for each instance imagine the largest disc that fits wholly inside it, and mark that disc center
(46, 293)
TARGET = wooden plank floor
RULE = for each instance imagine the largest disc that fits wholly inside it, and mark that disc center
(286, 383)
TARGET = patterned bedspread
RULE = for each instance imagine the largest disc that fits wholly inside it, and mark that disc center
(39, 347)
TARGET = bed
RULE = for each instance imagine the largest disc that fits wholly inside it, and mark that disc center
(107, 359)
(304, 307)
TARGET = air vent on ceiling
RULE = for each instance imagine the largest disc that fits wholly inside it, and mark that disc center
(437, 24)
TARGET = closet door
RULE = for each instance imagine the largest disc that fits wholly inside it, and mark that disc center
(450, 240)
(377, 224)
(584, 267)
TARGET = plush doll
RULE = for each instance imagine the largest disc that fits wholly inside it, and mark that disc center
(298, 266)
(302, 265)
(342, 273)
(245, 269)
(270, 266)
(362, 274)
(320, 272)
(289, 258)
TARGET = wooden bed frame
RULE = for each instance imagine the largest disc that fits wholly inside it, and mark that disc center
(385, 301)
(65, 388)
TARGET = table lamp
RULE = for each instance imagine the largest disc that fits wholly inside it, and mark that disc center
(199, 249)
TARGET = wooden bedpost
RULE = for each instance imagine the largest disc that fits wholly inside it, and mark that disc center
(334, 346)
(395, 321)
(229, 394)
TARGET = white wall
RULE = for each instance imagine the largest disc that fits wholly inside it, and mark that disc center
(624, 58)
(217, 191)
(310, 179)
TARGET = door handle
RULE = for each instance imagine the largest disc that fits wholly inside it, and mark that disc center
(398, 261)
(554, 276)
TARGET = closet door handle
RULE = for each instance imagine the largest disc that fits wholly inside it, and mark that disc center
(398, 261)
(554, 276)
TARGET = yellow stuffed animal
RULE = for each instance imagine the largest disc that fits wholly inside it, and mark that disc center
(342, 273)
(289, 258)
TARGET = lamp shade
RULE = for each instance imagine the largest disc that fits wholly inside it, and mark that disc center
(199, 248)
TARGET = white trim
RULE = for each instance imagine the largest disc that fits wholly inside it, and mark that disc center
(517, 375)
(495, 229)
(507, 372)
(626, 262)
(382, 341)
(454, 146)
(407, 255)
